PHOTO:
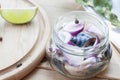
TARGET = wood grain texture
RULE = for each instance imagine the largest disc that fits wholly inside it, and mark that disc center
(18, 40)
(43, 74)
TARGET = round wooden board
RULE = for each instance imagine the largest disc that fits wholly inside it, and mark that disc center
(17, 41)
(23, 46)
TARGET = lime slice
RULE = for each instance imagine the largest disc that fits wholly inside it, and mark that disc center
(18, 15)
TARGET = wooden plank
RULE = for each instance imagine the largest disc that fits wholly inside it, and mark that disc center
(44, 65)
(43, 74)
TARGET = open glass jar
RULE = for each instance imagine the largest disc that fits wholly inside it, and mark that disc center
(79, 47)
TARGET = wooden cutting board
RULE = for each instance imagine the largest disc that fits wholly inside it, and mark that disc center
(17, 41)
(23, 46)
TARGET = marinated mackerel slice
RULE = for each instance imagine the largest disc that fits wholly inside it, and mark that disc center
(85, 39)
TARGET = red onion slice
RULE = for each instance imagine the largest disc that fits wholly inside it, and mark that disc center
(96, 41)
(71, 43)
(72, 60)
(88, 61)
(74, 29)
(93, 29)
(64, 36)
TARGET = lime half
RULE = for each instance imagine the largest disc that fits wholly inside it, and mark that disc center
(18, 15)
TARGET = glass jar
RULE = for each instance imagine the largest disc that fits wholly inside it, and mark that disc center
(79, 62)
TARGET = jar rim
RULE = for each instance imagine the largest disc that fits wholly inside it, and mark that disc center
(65, 46)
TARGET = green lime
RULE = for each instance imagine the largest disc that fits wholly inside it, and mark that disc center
(18, 15)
